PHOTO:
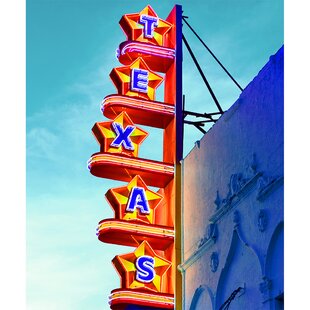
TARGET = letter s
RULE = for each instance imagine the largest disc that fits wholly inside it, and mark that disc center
(145, 269)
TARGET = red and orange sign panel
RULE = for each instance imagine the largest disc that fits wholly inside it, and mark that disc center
(144, 218)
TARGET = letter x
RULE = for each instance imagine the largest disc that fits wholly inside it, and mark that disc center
(122, 136)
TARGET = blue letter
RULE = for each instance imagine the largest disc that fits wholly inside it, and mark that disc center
(149, 23)
(122, 136)
(145, 269)
(139, 80)
(138, 200)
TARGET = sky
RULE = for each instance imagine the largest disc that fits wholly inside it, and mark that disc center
(70, 51)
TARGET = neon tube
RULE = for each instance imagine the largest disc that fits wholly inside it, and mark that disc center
(149, 113)
(128, 227)
(149, 106)
(130, 162)
(125, 296)
(157, 51)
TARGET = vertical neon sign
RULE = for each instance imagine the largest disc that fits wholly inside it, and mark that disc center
(146, 220)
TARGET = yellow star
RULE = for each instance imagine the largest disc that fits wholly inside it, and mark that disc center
(128, 268)
(145, 27)
(123, 80)
(119, 136)
(123, 198)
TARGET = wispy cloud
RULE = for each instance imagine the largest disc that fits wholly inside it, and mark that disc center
(65, 260)
(42, 143)
(65, 281)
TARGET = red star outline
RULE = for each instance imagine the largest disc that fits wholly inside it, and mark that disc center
(121, 78)
(105, 135)
(125, 266)
(134, 30)
(118, 199)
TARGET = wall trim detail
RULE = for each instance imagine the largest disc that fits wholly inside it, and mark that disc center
(214, 261)
(267, 186)
(232, 200)
(265, 288)
(196, 255)
(241, 185)
(262, 220)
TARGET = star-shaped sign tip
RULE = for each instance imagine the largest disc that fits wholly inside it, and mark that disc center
(145, 26)
(134, 202)
(142, 269)
(119, 136)
(136, 80)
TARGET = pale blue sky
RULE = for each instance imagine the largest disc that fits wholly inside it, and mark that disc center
(70, 53)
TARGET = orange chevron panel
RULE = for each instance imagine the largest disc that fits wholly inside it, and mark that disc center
(123, 168)
(132, 234)
(144, 112)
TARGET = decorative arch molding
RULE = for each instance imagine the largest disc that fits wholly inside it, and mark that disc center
(235, 277)
(203, 293)
(277, 236)
(242, 238)
(273, 279)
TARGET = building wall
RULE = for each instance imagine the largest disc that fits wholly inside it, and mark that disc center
(233, 203)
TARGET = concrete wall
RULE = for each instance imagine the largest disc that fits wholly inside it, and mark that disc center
(233, 203)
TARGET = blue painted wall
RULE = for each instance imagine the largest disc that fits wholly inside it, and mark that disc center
(233, 203)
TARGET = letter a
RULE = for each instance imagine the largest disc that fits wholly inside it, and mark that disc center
(138, 200)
